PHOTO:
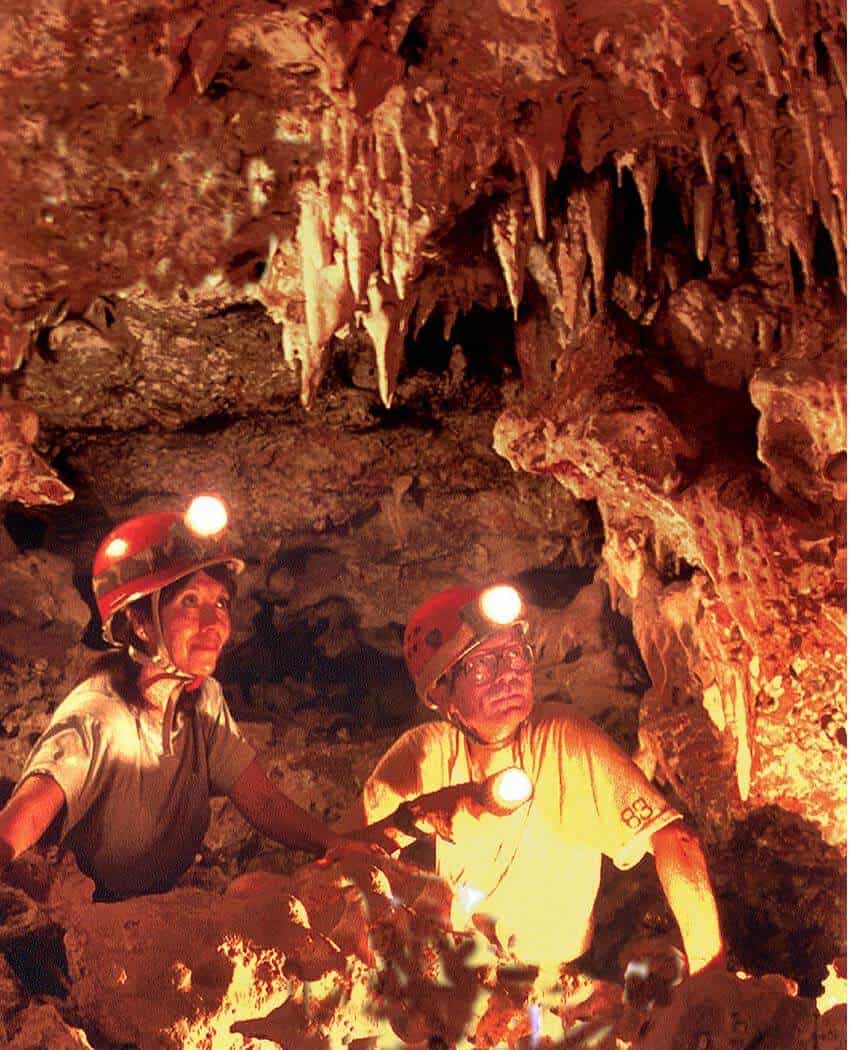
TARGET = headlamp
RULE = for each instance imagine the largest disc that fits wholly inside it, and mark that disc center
(507, 790)
(206, 516)
(500, 604)
(116, 549)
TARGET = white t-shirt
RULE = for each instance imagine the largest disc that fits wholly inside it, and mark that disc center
(137, 797)
(536, 871)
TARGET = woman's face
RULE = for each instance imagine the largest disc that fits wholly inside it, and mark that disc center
(196, 623)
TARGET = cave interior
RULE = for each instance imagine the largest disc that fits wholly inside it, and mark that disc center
(436, 293)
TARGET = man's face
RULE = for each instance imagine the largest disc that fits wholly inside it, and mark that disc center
(196, 623)
(492, 691)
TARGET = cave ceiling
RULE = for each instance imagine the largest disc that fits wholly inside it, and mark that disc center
(295, 251)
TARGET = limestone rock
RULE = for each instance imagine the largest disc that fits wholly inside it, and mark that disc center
(723, 1010)
(41, 1025)
(24, 475)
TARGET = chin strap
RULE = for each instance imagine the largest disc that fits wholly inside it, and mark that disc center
(167, 673)
(161, 656)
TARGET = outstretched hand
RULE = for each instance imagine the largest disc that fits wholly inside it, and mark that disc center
(436, 811)
(371, 840)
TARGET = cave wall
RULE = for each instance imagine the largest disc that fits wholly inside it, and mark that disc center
(436, 293)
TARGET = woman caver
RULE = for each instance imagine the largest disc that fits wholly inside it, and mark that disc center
(131, 757)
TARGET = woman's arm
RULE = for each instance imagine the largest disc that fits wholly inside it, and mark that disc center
(278, 817)
(683, 874)
(28, 814)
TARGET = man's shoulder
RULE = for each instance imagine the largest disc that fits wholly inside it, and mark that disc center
(554, 723)
(424, 736)
(558, 713)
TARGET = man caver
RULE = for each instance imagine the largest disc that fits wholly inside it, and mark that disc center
(528, 878)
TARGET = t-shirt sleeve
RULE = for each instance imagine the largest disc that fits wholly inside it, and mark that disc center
(397, 776)
(65, 752)
(629, 810)
(228, 753)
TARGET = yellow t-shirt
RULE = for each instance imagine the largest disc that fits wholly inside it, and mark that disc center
(534, 872)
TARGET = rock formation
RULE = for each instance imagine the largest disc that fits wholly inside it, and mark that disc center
(436, 292)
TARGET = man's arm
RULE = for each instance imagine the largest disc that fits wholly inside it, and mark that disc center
(28, 814)
(683, 874)
(278, 817)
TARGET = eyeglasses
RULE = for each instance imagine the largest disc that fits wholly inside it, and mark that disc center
(482, 668)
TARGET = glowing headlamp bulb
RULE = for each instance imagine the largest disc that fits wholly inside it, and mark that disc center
(116, 548)
(501, 604)
(206, 516)
(507, 790)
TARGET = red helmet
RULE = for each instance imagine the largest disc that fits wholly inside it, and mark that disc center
(446, 626)
(148, 552)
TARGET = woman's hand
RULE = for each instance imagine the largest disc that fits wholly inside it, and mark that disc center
(434, 813)
(372, 840)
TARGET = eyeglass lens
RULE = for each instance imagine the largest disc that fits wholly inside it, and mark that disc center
(484, 667)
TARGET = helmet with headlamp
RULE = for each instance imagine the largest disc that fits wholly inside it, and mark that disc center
(146, 553)
(450, 624)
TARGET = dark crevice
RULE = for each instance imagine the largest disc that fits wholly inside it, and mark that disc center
(361, 682)
(823, 66)
(549, 588)
(779, 866)
(248, 310)
(400, 416)
(414, 44)
(627, 229)
(39, 961)
(26, 528)
(215, 423)
(486, 338)
(825, 260)
(669, 232)
(798, 279)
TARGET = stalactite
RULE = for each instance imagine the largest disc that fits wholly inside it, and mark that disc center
(645, 174)
(410, 236)
(789, 18)
(327, 294)
(529, 161)
(593, 212)
(385, 321)
(770, 61)
(428, 294)
(703, 219)
(571, 260)
(449, 317)
(361, 253)
(536, 149)
(707, 131)
(743, 752)
(510, 239)
(406, 185)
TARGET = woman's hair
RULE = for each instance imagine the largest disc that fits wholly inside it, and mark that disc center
(120, 668)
